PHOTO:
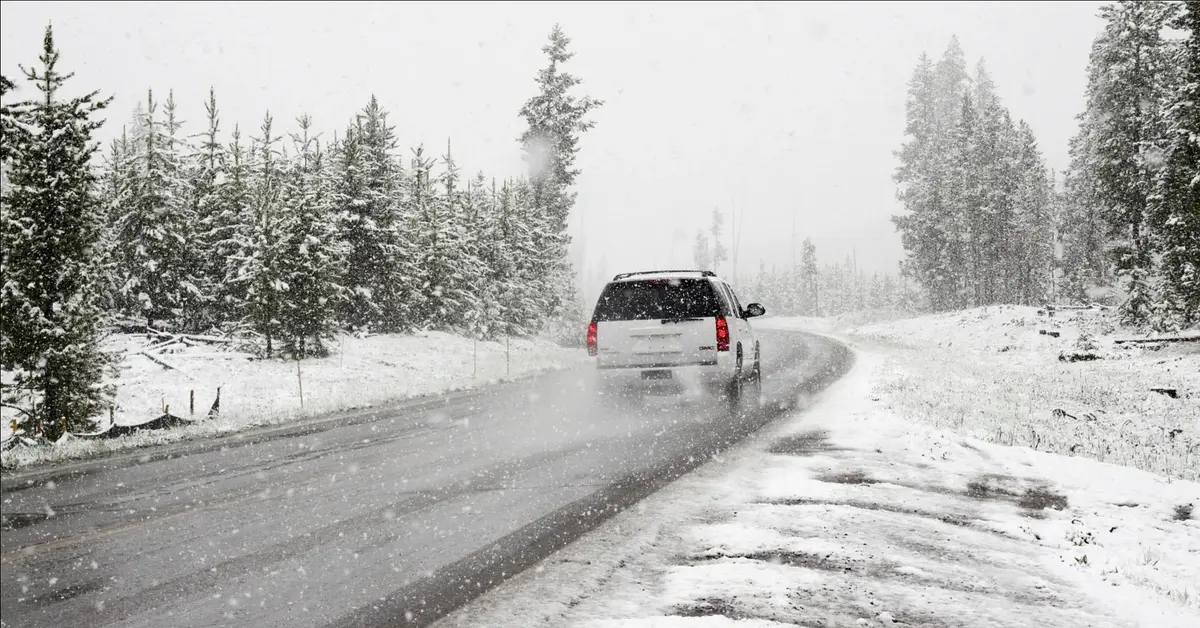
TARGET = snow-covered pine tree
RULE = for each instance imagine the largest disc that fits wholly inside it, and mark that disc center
(1031, 269)
(1175, 206)
(312, 259)
(227, 231)
(951, 82)
(1083, 229)
(922, 181)
(439, 239)
(482, 238)
(988, 213)
(719, 254)
(156, 227)
(461, 227)
(876, 297)
(12, 139)
(262, 241)
(51, 227)
(1128, 68)
(218, 216)
(506, 269)
(381, 272)
(810, 275)
(11, 133)
(536, 289)
(964, 195)
(550, 144)
(115, 189)
(358, 229)
(701, 252)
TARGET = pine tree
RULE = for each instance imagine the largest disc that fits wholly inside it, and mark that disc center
(377, 225)
(440, 240)
(116, 188)
(155, 238)
(701, 253)
(480, 245)
(1175, 206)
(218, 216)
(1128, 68)
(11, 133)
(810, 274)
(555, 119)
(50, 230)
(462, 225)
(719, 254)
(1032, 263)
(261, 241)
(923, 189)
(961, 264)
(509, 249)
(1083, 229)
(312, 256)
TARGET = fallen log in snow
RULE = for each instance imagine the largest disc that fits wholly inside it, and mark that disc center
(229, 355)
(167, 365)
(1134, 341)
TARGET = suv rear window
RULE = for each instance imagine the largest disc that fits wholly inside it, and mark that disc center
(653, 299)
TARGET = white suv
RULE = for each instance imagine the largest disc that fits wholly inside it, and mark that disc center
(679, 328)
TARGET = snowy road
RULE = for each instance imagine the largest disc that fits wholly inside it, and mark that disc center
(359, 520)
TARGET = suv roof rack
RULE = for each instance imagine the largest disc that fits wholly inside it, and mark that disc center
(703, 273)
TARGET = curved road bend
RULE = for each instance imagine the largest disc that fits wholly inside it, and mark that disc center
(384, 519)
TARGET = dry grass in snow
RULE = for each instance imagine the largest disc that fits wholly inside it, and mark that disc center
(991, 373)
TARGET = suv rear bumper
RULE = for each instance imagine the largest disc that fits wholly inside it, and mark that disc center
(675, 377)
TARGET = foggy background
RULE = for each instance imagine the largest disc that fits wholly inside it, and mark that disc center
(784, 116)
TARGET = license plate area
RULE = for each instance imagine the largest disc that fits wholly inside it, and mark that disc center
(657, 344)
(657, 374)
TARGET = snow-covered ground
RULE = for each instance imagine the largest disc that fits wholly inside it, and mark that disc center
(361, 372)
(992, 373)
(853, 514)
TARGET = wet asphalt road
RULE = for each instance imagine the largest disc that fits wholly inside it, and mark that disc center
(388, 517)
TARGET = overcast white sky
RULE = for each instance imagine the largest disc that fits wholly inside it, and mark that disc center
(782, 111)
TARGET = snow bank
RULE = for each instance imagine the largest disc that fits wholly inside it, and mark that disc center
(360, 373)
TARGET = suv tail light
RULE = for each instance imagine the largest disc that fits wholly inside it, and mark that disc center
(592, 335)
(722, 334)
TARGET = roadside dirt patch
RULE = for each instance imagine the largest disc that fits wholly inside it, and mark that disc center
(952, 519)
(1032, 495)
(856, 476)
(824, 562)
(1041, 498)
(804, 444)
(709, 607)
(993, 486)
(873, 568)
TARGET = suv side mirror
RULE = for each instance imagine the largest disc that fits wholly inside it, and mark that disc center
(754, 309)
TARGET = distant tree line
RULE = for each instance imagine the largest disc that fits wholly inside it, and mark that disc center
(807, 288)
(984, 221)
(288, 234)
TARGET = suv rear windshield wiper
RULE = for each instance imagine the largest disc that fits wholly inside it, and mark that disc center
(686, 319)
